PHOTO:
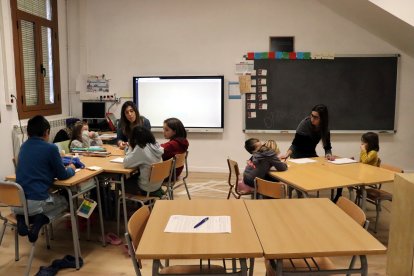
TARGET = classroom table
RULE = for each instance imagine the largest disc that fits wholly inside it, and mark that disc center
(322, 175)
(74, 188)
(114, 150)
(300, 228)
(111, 168)
(241, 243)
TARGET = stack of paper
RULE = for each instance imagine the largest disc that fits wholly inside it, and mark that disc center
(343, 161)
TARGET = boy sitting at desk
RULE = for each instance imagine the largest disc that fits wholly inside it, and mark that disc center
(39, 163)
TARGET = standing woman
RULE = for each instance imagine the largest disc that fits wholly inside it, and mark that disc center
(130, 118)
(308, 134)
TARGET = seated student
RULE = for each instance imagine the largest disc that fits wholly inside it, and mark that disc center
(174, 131)
(83, 138)
(65, 133)
(262, 159)
(142, 152)
(368, 154)
(38, 166)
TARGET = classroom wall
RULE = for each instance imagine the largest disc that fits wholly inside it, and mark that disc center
(136, 37)
(8, 113)
(127, 38)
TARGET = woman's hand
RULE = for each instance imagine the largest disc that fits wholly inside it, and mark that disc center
(330, 157)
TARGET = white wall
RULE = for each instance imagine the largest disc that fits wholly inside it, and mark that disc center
(136, 37)
(8, 82)
(403, 9)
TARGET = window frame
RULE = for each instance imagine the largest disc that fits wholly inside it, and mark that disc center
(41, 108)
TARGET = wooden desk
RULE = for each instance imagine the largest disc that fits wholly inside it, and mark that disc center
(112, 168)
(74, 191)
(299, 228)
(241, 243)
(323, 175)
(114, 150)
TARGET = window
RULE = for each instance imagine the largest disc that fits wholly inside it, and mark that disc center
(36, 54)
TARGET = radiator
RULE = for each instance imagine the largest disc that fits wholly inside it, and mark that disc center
(17, 136)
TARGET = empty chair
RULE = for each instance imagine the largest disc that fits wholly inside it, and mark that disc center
(176, 182)
(269, 189)
(159, 172)
(136, 226)
(233, 181)
(376, 195)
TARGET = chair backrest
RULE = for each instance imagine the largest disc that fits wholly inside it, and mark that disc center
(180, 159)
(161, 171)
(353, 210)
(270, 189)
(11, 194)
(64, 145)
(391, 168)
(233, 172)
(137, 223)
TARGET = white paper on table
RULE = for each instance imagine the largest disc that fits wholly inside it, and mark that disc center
(302, 160)
(108, 135)
(94, 168)
(343, 161)
(118, 160)
(185, 224)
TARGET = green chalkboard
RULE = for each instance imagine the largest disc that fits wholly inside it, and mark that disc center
(360, 93)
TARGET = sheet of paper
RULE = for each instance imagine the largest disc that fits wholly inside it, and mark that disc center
(185, 224)
(107, 135)
(343, 161)
(94, 168)
(118, 160)
(302, 160)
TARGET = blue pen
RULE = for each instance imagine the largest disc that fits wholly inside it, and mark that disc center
(201, 222)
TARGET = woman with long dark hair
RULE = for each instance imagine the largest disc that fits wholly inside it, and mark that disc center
(130, 118)
(309, 132)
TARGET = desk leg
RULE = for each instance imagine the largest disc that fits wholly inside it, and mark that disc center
(124, 202)
(363, 199)
(290, 190)
(243, 265)
(156, 264)
(364, 265)
(279, 266)
(98, 193)
(75, 234)
(251, 270)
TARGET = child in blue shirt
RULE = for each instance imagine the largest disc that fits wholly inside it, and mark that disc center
(39, 163)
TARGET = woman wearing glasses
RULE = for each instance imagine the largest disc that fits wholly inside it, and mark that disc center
(308, 134)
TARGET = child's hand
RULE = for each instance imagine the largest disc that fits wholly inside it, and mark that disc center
(72, 166)
(91, 134)
(122, 144)
(363, 148)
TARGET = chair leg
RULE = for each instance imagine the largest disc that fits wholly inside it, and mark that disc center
(47, 236)
(378, 209)
(186, 188)
(118, 215)
(351, 265)
(16, 245)
(228, 196)
(29, 264)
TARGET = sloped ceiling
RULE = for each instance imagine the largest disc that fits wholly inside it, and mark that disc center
(376, 21)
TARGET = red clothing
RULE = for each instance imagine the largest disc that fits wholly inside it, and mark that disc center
(173, 147)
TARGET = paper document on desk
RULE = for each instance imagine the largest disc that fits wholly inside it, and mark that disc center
(118, 160)
(185, 224)
(343, 161)
(302, 160)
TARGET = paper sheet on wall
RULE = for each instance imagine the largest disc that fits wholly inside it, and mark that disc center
(185, 224)
(245, 83)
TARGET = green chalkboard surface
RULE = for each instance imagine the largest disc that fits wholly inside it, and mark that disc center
(360, 93)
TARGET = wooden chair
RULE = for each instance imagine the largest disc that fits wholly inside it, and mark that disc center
(159, 172)
(12, 195)
(180, 162)
(136, 226)
(64, 145)
(269, 189)
(376, 195)
(233, 181)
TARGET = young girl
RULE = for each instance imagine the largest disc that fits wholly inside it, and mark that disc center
(83, 138)
(368, 154)
(174, 131)
(263, 158)
(142, 152)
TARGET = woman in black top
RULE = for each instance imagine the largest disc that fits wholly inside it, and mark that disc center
(308, 134)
